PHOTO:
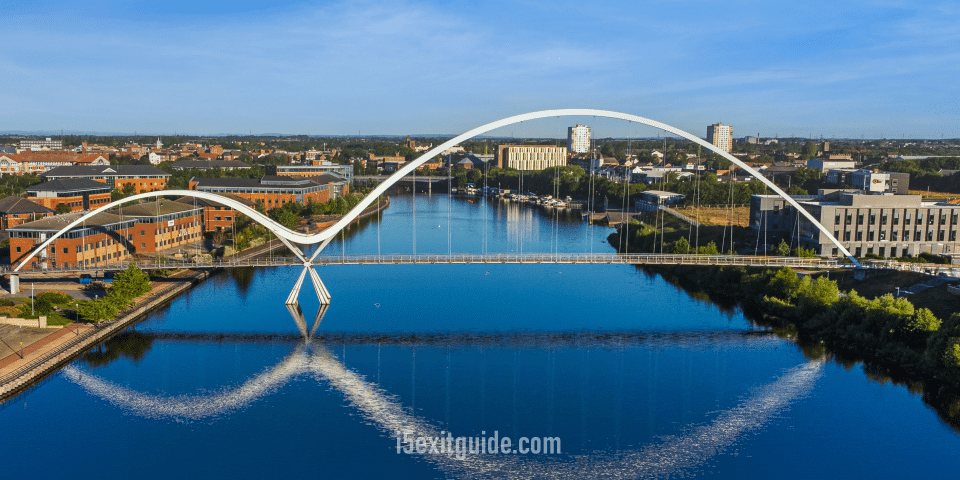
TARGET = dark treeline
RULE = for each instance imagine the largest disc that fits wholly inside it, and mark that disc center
(909, 344)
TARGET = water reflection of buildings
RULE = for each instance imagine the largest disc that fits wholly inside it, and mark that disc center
(521, 225)
(310, 357)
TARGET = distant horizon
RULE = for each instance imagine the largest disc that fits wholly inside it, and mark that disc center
(54, 135)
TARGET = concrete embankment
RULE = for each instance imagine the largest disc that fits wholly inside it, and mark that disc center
(20, 375)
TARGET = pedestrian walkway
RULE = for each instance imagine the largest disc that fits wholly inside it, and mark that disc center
(37, 342)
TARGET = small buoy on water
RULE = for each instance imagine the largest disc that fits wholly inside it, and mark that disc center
(377, 305)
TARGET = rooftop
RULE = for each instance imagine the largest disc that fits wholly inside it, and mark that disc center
(152, 209)
(15, 204)
(206, 164)
(57, 222)
(68, 185)
(105, 170)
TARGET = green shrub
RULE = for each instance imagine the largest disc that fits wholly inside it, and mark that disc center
(6, 302)
(55, 297)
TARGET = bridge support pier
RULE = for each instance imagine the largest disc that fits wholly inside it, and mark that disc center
(321, 290)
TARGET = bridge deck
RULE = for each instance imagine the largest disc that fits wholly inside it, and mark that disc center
(558, 258)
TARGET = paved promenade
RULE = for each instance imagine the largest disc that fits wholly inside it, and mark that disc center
(46, 350)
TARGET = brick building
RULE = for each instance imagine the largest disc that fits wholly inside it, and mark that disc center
(99, 241)
(274, 191)
(312, 170)
(144, 178)
(217, 217)
(15, 211)
(77, 193)
(108, 237)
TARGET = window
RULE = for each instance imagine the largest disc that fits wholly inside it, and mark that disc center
(143, 245)
(859, 235)
(929, 235)
(953, 235)
(78, 248)
(873, 218)
(943, 218)
(18, 249)
(883, 236)
(930, 218)
(859, 219)
(883, 219)
(143, 232)
(954, 218)
(941, 235)
(906, 235)
(64, 250)
(893, 235)
(836, 219)
(906, 219)
(870, 236)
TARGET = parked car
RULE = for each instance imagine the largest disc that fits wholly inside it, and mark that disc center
(108, 276)
(86, 279)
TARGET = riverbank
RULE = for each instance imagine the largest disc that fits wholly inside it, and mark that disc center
(47, 353)
(895, 341)
(45, 350)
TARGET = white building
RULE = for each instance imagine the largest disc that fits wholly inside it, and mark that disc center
(720, 135)
(530, 157)
(578, 139)
(37, 145)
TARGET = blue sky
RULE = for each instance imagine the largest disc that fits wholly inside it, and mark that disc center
(836, 69)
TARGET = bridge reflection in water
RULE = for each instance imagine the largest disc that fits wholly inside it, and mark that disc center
(311, 357)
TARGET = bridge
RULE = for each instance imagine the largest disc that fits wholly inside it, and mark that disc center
(496, 258)
(291, 239)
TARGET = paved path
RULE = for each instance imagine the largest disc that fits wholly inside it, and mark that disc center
(36, 344)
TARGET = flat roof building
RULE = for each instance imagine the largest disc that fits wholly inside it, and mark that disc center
(720, 135)
(274, 191)
(578, 139)
(315, 170)
(884, 225)
(530, 157)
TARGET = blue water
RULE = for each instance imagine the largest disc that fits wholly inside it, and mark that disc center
(633, 376)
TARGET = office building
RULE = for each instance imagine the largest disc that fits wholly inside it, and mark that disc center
(530, 157)
(884, 225)
(720, 135)
(578, 139)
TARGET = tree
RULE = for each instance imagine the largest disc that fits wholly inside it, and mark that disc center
(97, 310)
(62, 208)
(709, 249)
(923, 321)
(809, 150)
(783, 249)
(681, 246)
(130, 283)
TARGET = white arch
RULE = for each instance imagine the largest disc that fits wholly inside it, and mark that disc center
(329, 232)
(323, 237)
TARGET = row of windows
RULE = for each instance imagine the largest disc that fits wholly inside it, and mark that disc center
(908, 218)
(918, 236)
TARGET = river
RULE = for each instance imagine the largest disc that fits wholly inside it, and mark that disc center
(633, 376)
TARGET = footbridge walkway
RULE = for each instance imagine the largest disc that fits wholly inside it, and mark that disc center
(403, 259)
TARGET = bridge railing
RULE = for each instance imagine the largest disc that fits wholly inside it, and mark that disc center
(566, 258)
